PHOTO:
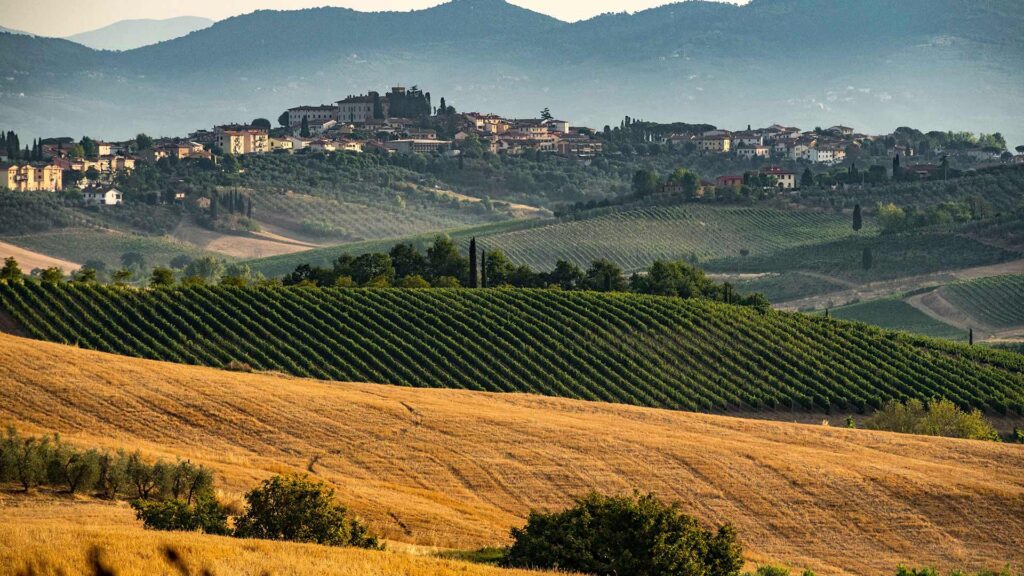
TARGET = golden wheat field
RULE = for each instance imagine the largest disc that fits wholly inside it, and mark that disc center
(457, 469)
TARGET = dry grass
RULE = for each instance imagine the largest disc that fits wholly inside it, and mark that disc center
(457, 469)
(55, 536)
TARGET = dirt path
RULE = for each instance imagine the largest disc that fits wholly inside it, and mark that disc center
(874, 290)
(246, 246)
(29, 260)
(934, 305)
(518, 210)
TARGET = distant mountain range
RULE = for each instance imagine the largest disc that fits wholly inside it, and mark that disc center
(871, 64)
(12, 31)
(129, 34)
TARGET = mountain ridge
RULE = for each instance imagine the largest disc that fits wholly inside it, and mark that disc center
(876, 64)
(135, 33)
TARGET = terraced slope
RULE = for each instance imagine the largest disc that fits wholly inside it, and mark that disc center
(645, 350)
(635, 238)
(997, 301)
(458, 469)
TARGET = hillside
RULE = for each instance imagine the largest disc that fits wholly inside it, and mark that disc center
(458, 468)
(897, 61)
(129, 34)
(651, 351)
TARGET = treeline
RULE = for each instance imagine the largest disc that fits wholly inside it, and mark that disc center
(443, 266)
(34, 461)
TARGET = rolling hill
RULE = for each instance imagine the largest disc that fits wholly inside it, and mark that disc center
(710, 57)
(459, 468)
(643, 350)
(129, 34)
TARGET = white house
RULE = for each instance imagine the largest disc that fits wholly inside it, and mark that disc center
(104, 197)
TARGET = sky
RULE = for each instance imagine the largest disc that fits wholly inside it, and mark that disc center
(66, 17)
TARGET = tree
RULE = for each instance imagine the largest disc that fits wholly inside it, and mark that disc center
(413, 281)
(133, 259)
(566, 275)
(180, 262)
(545, 114)
(298, 509)
(858, 223)
(443, 259)
(208, 268)
(372, 267)
(123, 276)
(161, 278)
(807, 179)
(11, 273)
(262, 123)
(283, 119)
(638, 535)
(84, 275)
(143, 142)
(206, 515)
(896, 172)
(604, 276)
(866, 259)
(474, 277)
(407, 261)
(304, 129)
(645, 182)
(891, 218)
(52, 276)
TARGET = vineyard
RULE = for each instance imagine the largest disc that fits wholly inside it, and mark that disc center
(352, 220)
(892, 256)
(651, 351)
(895, 314)
(635, 238)
(107, 246)
(997, 301)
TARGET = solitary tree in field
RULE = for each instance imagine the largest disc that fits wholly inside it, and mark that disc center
(473, 277)
(11, 273)
(858, 223)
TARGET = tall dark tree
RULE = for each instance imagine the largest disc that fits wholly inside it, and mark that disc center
(807, 179)
(867, 259)
(443, 108)
(473, 275)
(896, 167)
(858, 222)
(304, 130)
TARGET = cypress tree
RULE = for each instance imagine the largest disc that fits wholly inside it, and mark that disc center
(896, 167)
(304, 129)
(858, 222)
(867, 259)
(473, 277)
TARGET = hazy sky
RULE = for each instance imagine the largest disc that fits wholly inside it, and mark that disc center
(66, 17)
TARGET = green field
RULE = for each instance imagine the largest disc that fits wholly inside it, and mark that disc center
(80, 245)
(893, 256)
(895, 314)
(788, 286)
(997, 301)
(645, 350)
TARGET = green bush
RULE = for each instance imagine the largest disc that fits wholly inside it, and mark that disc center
(639, 535)
(298, 509)
(206, 515)
(937, 418)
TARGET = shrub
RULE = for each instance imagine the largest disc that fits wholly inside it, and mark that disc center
(298, 509)
(206, 515)
(938, 418)
(639, 535)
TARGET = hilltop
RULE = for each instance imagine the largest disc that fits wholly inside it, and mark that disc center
(129, 34)
(458, 468)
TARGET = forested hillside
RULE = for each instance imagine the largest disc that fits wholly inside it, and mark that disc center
(652, 351)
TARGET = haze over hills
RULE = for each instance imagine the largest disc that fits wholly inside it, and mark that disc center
(873, 64)
(128, 34)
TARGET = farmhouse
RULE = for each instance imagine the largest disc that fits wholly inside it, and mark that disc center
(29, 178)
(103, 197)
